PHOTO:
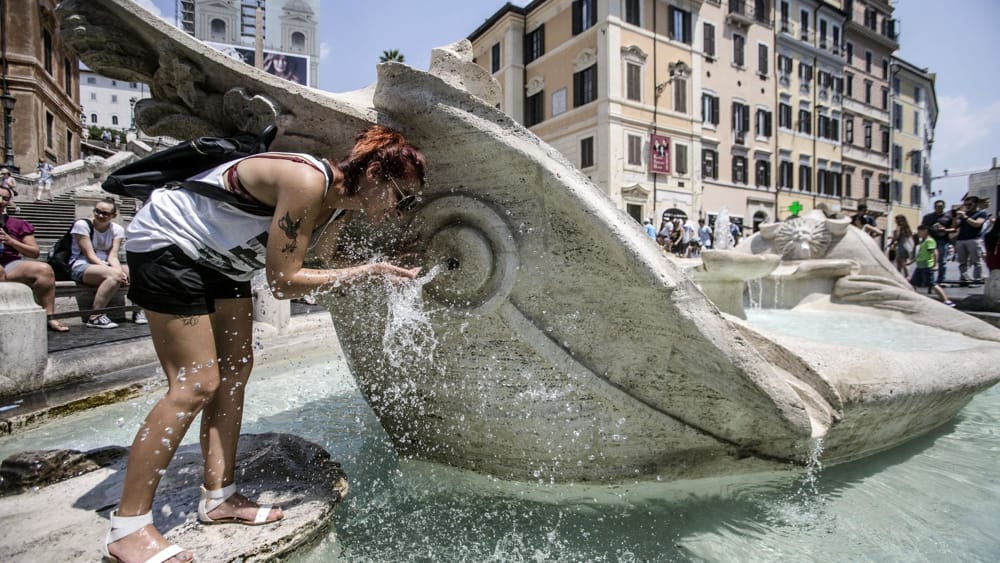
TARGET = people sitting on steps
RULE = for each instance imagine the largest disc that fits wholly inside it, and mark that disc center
(94, 260)
(17, 242)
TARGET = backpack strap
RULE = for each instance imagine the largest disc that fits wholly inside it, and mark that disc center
(212, 191)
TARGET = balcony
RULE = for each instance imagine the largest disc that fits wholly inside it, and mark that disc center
(888, 37)
(739, 14)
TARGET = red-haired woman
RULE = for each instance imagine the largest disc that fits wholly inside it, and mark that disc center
(191, 259)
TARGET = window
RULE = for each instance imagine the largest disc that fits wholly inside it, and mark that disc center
(868, 135)
(114, 120)
(69, 146)
(850, 52)
(632, 12)
(534, 109)
(46, 54)
(868, 61)
(93, 96)
(585, 86)
(785, 174)
(785, 64)
(822, 126)
(805, 72)
(739, 50)
(804, 18)
(823, 79)
(897, 117)
(634, 149)
(680, 95)
(91, 80)
(93, 118)
(679, 25)
(895, 86)
(897, 191)
(534, 44)
(805, 178)
(761, 11)
(709, 164)
(867, 181)
(917, 94)
(822, 186)
(739, 169)
(741, 117)
(217, 30)
(709, 40)
(50, 122)
(763, 123)
(784, 16)
(848, 184)
(836, 39)
(709, 109)
(114, 98)
(915, 159)
(298, 41)
(885, 69)
(849, 79)
(633, 82)
(784, 115)
(584, 15)
(849, 130)
(67, 76)
(836, 183)
(680, 159)
(805, 121)
(915, 195)
(885, 99)
(586, 152)
(762, 173)
(868, 92)
(762, 58)
(885, 139)
(883, 186)
(897, 157)
(495, 58)
(916, 122)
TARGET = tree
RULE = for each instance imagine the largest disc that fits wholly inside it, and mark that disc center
(392, 55)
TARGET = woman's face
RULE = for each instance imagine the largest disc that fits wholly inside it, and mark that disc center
(384, 199)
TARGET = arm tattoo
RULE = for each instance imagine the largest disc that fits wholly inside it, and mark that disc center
(291, 229)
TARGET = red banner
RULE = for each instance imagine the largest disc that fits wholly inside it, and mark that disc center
(659, 154)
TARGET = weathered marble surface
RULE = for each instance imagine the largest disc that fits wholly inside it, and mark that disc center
(568, 347)
(66, 520)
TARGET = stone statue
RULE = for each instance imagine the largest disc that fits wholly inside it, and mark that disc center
(568, 347)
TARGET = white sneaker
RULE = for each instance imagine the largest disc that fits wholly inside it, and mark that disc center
(139, 317)
(101, 322)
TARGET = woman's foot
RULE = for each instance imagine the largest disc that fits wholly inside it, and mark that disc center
(142, 543)
(56, 326)
(236, 509)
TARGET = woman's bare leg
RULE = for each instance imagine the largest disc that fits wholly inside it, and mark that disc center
(181, 343)
(223, 416)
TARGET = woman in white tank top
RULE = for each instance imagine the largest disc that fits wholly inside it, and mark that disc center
(191, 259)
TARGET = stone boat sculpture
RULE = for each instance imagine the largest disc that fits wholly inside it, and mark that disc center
(567, 347)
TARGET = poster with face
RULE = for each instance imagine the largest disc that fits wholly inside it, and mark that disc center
(283, 65)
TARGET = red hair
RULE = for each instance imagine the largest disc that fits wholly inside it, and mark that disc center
(378, 144)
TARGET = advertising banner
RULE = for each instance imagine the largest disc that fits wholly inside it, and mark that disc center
(283, 65)
(659, 154)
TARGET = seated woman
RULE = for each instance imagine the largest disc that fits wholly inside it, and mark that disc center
(17, 241)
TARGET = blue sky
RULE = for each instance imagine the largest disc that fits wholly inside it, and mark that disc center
(958, 42)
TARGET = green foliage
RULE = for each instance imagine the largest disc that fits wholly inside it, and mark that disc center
(392, 55)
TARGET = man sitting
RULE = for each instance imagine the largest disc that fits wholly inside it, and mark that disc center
(94, 260)
(17, 240)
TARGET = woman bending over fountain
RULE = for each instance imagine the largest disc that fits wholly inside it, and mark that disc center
(191, 260)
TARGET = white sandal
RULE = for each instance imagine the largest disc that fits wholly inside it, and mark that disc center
(122, 526)
(210, 500)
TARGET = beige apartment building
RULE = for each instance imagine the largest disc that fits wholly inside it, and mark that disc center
(688, 107)
(914, 115)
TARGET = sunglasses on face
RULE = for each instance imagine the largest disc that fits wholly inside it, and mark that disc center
(103, 213)
(406, 201)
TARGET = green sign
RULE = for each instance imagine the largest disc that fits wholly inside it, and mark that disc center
(795, 207)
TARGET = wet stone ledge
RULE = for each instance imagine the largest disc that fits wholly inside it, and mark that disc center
(55, 504)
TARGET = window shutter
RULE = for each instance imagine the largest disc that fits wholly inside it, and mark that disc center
(767, 123)
(671, 31)
(577, 17)
(746, 118)
(715, 110)
(736, 109)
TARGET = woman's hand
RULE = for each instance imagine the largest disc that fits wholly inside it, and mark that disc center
(393, 272)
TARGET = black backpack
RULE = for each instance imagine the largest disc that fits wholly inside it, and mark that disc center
(59, 254)
(172, 168)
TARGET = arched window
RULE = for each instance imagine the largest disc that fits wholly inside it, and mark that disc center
(299, 41)
(218, 30)
(93, 118)
(114, 120)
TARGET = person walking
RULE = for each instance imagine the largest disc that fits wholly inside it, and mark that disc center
(192, 258)
(901, 241)
(969, 219)
(938, 223)
(44, 187)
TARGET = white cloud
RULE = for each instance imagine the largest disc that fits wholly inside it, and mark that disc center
(965, 136)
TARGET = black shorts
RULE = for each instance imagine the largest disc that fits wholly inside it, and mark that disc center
(167, 281)
(922, 277)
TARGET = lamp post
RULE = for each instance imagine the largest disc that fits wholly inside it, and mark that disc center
(7, 100)
(131, 103)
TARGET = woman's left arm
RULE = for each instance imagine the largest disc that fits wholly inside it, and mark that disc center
(27, 246)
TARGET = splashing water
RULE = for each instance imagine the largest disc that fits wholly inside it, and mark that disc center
(723, 239)
(409, 336)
